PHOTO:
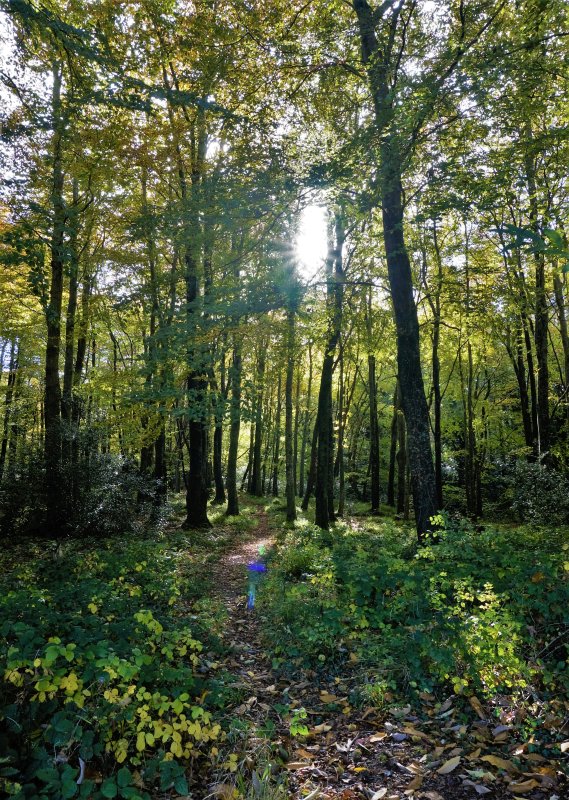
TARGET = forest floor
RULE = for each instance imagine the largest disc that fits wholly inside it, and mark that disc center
(300, 737)
(369, 669)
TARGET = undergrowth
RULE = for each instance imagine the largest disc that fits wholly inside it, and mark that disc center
(481, 612)
(109, 680)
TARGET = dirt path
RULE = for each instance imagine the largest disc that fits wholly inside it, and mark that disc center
(348, 753)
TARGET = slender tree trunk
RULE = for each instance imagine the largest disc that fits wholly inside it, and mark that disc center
(289, 431)
(562, 317)
(325, 460)
(437, 399)
(401, 461)
(8, 398)
(306, 424)
(341, 428)
(311, 477)
(67, 395)
(234, 429)
(400, 278)
(393, 450)
(52, 393)
(256, 470)
(198, 360)
(374, 436)
(541, 312)
(296, 427)
(277, 447)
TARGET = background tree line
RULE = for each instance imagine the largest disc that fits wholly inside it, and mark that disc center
(157, 333)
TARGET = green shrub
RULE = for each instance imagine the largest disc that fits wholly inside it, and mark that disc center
(99, 665)
(473, 613)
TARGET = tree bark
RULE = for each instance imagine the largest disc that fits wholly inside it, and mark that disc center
(306, 424)
(325, 462)
(399, 274)
(289, 422)
(541, 311)
(234, 429)
(393, 450)
(256, 473)
(311, 477)
(374, 436)
(52, 392)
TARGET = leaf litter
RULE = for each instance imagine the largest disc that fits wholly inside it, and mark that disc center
(452, 750)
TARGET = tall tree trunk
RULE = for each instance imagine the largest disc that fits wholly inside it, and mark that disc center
(52, 393)
(305, 424)
(296, 426)
(562, 317)
(393, 450)
(341, 428)
(8, 398)
(325, 460)
(67, 398)
(234, 428)
(256, 469)
(541, 311)
(198, 360)
(277, 447)
(437, 399)
(289, 430)
(311, 477)
(400, 278)
(373, 436)
(401, 461)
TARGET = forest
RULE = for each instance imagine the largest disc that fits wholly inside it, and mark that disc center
(284, 399)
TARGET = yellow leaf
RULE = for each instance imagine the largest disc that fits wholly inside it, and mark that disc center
(415, 784)
(449, 765)
(140, 741)
(326, 697)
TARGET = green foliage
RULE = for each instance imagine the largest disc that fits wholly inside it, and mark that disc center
(100, 664)
(481, 611)
(540, 495)
(104, 494)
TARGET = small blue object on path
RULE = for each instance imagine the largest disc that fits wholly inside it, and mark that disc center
(255, 570)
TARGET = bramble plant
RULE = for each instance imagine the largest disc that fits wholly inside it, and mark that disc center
(101, 667)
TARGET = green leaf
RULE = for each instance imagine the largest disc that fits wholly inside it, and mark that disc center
(109, 788)
(181, 785)
(68, 789)
(124, 777)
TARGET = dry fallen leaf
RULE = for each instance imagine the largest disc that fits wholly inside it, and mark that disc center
(378, 737)
(501, 763)
(415, 784)
(323, 728)
(449, 765)
(479, 788)
(564, 746)
(326, 697)
(223, 790)
(523, 787)
(477, 706)
(379, 794)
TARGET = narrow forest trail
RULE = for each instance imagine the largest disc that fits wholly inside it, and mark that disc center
(349, 753)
